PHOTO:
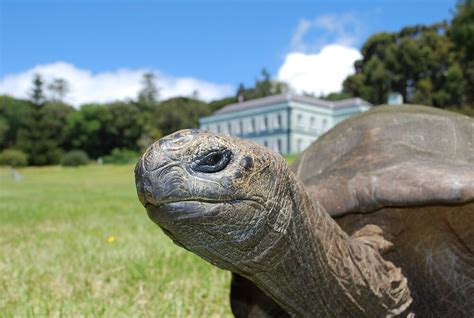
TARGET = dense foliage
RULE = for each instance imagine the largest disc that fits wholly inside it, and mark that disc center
(98, 129)
(461, 34)
(179, 112)
(429, 65)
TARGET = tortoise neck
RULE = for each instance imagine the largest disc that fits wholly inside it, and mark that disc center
(323, 272)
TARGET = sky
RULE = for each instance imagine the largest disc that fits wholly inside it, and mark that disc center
(103, 47)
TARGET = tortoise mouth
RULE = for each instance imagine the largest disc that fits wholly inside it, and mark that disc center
(192, 208)
(182, 200)
(186, 209)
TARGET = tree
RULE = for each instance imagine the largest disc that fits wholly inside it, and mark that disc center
(126, 126)
(240, 93)
(86, 129)
(98, 129)
(219, 103)
(179, 113)
(336, 96)
(42, 134)
(149, 93)
(195, 94)
(462, 35)
(35, 141)
(4, 127)
(55, 116)
(267, 87)
(13, 114)
(59, 88)
(455, 86)
(417, 62)
(263, 87)
(150, 134)
(37, 94)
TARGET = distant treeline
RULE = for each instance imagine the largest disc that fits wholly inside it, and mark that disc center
(430, 65)
(44, 127)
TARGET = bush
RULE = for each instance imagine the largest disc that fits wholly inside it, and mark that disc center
(121, 156)
(75, 158)
(14, 158)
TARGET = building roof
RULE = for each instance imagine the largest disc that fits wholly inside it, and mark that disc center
(284, 98)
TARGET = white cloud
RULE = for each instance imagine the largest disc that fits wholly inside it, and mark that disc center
(320, 65)
(88, 87)
(320, 73)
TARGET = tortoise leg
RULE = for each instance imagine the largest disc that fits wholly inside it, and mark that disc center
(247, 300)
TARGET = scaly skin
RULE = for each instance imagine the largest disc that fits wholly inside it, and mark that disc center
(243, 210)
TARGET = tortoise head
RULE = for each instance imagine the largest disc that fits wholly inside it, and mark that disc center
(217, 196)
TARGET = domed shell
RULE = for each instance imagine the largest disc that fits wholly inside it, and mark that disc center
(391, 156)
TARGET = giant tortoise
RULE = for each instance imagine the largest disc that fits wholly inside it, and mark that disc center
(376, 218)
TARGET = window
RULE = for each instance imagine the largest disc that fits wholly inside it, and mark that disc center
(253, 127)
(265, 143)
(279, 121)
(279, 145)
(265, 123)
(299, 145)
(241, 126)
(313, 123)
(299, 120)
(229, 127)
(218, 128)
(325, 122)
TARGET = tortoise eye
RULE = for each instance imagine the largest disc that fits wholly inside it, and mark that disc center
(214, 161)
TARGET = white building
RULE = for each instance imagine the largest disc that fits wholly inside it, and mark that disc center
(285, 123)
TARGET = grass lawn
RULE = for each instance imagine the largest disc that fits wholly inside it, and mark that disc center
(56, 259)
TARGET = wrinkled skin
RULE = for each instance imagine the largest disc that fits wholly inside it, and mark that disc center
(238, 205)
(215, 215)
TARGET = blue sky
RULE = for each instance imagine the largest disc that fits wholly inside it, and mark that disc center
(213, 42)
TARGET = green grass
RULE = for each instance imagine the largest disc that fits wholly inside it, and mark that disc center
(290, 159)
(55, 259)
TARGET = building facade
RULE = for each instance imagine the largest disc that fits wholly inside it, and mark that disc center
(285, 123)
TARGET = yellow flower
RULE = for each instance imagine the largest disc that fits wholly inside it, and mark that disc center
(111, 239)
